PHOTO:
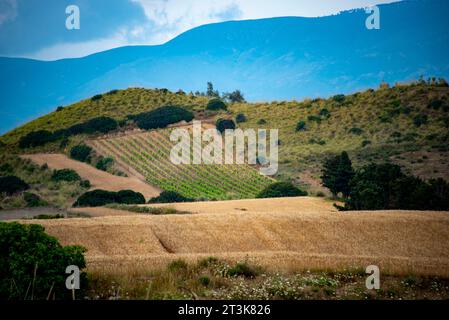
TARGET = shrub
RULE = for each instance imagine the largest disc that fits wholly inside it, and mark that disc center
(225, 124)
(281, 189)
(162, 117)
(104, 163)
(365, 143)
(235, 96)
(262, 121)
(33, 200)
(35, 262)
(242, 269)
(81, 153)
(11, 185)
(96, 97)
(49, 216)
(240, 118)
(420, 120)
(204, 280)
(300, 126)
(169, 197)
(99, 124)
(97, 198)
(35, 139)
(65, 175)
(60, 108)
(356, 131)
(85, 184)
(325, 113)
(114, 91)
(314, 118)
(216, 104)
(339, 98)
(129, 197)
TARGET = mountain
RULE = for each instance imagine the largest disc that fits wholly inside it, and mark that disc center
(268, 59)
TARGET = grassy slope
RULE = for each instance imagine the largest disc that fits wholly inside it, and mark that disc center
(420, 150)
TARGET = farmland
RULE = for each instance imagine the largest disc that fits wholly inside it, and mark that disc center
(148, 154)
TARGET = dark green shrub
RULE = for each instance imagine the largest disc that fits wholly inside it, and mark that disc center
(177, 265)
(60, 108)
(169, 197)
(162, 117)
(81, 153)
(365, 143)
(314, 118)
(204, 280)
(420, 119)
(6, 168)
(280, 190)
(104, 163)
(356, 131)
(65, 175)
(262, 121)
(99, 124)
(85, 184)
(35, 263)
(33, 200)
(96, 97)
(225, 124)
(339, 98)
(97, 198)
(49, 216)
(35, 139)
(337, 174)
(216, 104)
(300, 126)
(11, 185)
(325, 113)
(240, 118)
(435, 104)
(112, 92)
(129, 197)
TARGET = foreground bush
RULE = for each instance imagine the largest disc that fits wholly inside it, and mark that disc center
(35, 139)
(33, 264)
(280, 190)
(216, 104)
(11, 185)
(98, 198)
(169, 197)
(225, 124)
(162, 117)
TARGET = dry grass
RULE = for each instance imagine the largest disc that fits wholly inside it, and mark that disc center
(98, 179)
(280, 234)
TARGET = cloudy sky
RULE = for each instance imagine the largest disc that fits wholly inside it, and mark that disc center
(36, 28)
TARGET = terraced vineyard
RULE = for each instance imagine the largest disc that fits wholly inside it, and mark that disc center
(149, 154)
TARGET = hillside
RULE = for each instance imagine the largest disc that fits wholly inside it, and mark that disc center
(406, 124)
(279, 58)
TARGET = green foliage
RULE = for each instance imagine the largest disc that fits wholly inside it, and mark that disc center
(96, 97)
(301, 126)
(216, 104)
(162, 117)
(12, 184)
(243, 269)
(81, 153)
(65, 175)
(177, 265)
(337, 173)
(35, 139)
(104, 163)
(49, 216)
(262, 121)
(280, 190)
(420, 119)
(235, 96)
(339, 98)
(356, 131)
(97, 198)
(33, 264)
(85, 184)
(33, 200)
(314, 118)
(98, 124)
(169, 197)
(240, 118)
(225, 124)
(204, 281)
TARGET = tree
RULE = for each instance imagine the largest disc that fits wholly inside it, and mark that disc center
(235, 96)
(216, 104)
(11, 185)
(81, 153)
(211, 92)
(169, 197)
(281, 190)
(337, 174)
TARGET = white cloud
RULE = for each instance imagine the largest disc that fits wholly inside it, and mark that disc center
(8, 10)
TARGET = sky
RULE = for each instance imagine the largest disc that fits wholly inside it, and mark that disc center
(37, 28)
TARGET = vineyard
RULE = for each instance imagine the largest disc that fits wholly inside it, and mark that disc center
(148, 153)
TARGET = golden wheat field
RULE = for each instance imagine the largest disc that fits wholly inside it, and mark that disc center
(288, 234)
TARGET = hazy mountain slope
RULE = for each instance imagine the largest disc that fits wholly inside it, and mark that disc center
(279, 58)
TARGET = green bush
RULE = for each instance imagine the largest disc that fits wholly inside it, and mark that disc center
(65, 175)
(339, 98)
(104, 163)
(85, 184)
(33, 200)
(301, 126)
(314, 118)
(225, 124)
(36, 138)
(242, 269)
(356, 131)
(98, 198)
(420, 119)
(96, 97)
(216, 104)
(177, 265)
(204, 280)
(162, 117)
(280, 190)
(169, 197)
(81, 153)
(261, 121)
(99, 124)
(240, 118)
(33, 264)
(12, 184)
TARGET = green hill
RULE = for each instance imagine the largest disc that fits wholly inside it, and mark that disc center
(406, 124)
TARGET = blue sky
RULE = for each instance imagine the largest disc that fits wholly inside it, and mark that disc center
(36, 28)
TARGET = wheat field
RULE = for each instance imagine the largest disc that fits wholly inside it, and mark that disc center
(289, 234)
